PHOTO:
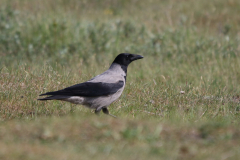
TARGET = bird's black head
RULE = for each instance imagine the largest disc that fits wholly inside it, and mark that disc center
(124, 59)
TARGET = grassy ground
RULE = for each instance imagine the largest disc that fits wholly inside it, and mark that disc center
(181, 101)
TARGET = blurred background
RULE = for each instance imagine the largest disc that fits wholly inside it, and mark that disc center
(62, 31)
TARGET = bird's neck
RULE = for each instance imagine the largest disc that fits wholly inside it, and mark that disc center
(119, 68)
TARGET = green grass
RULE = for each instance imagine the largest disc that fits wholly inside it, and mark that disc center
(190, 46)
(91, 137)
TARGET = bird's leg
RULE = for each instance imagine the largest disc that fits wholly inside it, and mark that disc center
(98, 110)
(105, 110)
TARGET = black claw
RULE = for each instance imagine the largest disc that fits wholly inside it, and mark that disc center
(105, 110)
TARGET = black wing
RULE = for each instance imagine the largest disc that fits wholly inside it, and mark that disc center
(89, 89)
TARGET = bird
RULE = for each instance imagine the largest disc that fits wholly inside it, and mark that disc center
(99, 92)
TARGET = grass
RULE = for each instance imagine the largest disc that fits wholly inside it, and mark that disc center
(181, 101)
(85, 137)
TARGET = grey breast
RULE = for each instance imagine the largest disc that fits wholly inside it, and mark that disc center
(113, 75)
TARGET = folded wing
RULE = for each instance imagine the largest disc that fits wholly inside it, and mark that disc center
(89, 89)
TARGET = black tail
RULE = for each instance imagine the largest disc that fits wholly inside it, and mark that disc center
(54, 97)
(46, 98)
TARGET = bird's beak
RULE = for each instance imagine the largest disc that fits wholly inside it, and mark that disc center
(136, 57)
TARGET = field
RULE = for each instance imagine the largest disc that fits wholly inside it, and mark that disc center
(182, 101)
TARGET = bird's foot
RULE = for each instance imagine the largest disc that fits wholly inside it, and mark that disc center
(97, 111)
(105, 110)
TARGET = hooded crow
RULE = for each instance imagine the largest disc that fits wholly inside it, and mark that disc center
(99, 92)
